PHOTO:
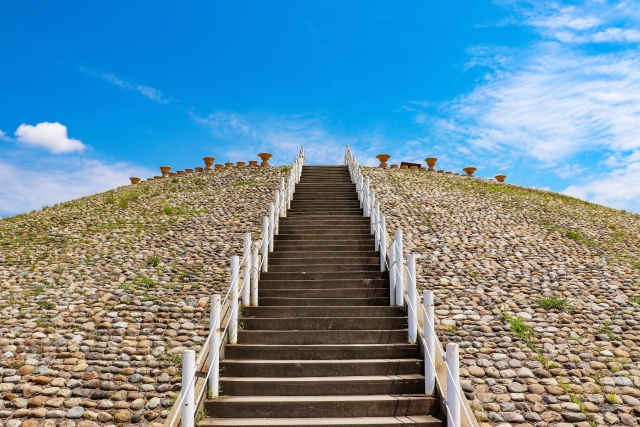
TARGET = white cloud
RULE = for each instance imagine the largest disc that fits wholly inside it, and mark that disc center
(51, 136)
(281, 135)
(147, 91)
(618, 189)
(4, 137)
(562, 104)
(46, 182)
(553, 104)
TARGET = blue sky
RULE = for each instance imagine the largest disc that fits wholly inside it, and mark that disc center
(91, 93)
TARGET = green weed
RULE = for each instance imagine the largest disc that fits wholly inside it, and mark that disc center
(552, 303)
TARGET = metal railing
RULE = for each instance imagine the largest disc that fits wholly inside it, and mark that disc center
(246, 272)
(392, 260)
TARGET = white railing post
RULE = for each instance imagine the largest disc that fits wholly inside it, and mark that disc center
(277, 212)
(214, 345)
(246, 269)
(188, 373)
(400, 270)
(255, 274)
(366, 197)
(283, 203)
(272, 225)
(430, 343)
(412, 293)
(453, 383)
(372, 211)
(376, 225)
(233, 298)
(265, 244)
(383, 244)
(392, 273)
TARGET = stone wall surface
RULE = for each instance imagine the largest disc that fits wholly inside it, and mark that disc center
(540, 290)
(99, 296)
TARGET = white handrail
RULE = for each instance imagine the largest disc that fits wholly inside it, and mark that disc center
(396, 267)
(251, 268)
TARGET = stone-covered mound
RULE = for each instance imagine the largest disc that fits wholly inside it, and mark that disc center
(541, 291)
(99, 296)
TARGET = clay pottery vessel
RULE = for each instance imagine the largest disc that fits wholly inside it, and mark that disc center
(199, 169)
(134, 180)
(241, 164)
(383, 159)
(172, 174)
(265, 158)
(180, 173)
(149, 179)
(469, 171)
(413, 168)
(441, 171)
(393, 167)
(253, 163)
(500, 178)
(448, 173)
(188, 170)
(219, 166)
(431, 162)
(208, 161)
(423, 168)
(456, 174)
(165, 170)
(157, 177)
(229, 165)
(404, 167)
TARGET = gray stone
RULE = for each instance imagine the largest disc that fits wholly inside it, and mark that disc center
(75, 412)
(516, 387)
(574, 417)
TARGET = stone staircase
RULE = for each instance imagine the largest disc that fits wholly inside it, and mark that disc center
(324, 348)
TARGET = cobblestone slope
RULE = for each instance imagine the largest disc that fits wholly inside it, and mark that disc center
(540, 290)
(99, 296)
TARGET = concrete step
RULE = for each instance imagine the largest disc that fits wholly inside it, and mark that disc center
(414, 421)
(308, 256)
(325, 284)
(320, 368)
(319, 311)
(324, 221)
(324, 293)
(334, 237)
(293, 246)
(313, 214)
(320, 302)
(323, 386)
(322, 323)
(393, 336)
(322, 351)
(325, 260)
(316, 275)
(320, 245)
(319, 406)
(324, 268)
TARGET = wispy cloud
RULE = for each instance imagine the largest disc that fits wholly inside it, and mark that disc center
(147, 91)
(284, 135)
(4, 137)
(47, 181)
(558, 99)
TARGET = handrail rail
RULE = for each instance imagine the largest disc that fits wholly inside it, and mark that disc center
(396, 266)
(186, 403)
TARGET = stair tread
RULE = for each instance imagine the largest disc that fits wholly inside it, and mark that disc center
(363, 421)
(370, 378)
(332, 398)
